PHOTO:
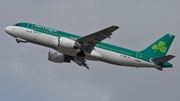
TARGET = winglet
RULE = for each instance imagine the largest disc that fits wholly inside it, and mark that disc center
(121, 26)
(111, 29)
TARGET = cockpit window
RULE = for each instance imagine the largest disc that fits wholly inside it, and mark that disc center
(17, 24)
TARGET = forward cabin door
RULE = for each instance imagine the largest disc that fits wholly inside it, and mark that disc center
(29, 28)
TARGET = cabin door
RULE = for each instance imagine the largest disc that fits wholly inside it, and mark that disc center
(30, 27)
(138, 57)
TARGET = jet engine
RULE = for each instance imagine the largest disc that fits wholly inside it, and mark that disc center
(66, 43)
(57, 57)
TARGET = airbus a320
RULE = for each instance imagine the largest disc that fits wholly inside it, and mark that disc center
(69, 47)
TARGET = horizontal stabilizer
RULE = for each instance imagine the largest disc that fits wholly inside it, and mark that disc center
(163, 59)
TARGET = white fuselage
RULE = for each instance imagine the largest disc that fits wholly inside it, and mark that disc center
(97, 54)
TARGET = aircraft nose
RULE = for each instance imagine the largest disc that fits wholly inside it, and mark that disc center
(10, 30)
(7, 29)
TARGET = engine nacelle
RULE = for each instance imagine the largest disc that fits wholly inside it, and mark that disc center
(57, 57)
(66, 43)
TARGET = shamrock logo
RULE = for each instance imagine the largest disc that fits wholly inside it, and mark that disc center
(160, 46)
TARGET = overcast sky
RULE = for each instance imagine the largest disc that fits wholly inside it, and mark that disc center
(27, 75)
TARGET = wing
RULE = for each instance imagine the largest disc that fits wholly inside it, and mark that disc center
(88, 42)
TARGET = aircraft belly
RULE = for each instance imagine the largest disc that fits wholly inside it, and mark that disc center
(44, 39)
(94, 55)
(71, 52)
(25, 35)
(121, 59)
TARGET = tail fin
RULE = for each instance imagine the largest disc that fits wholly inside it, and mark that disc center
(160, 47)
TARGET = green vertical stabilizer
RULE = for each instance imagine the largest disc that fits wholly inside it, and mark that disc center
(160, 47)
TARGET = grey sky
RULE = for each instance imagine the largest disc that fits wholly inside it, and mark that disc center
(26, 74)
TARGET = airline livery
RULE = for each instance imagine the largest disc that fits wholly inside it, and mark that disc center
(70, 47)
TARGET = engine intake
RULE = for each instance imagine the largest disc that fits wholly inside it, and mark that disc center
(57, 57)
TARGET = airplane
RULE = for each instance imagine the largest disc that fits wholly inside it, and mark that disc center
(69, 47)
